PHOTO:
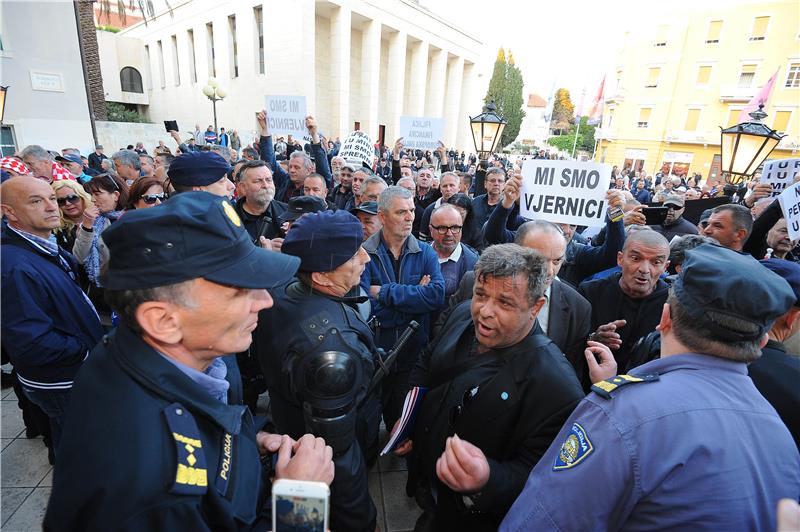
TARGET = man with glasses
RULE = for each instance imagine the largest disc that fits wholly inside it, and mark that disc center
(675, 224)
(455, 259)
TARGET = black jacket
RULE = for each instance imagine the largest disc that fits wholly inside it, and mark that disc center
(512, 418)
(267, 224)
(776, 374)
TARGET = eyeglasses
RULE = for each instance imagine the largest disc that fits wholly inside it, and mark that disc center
(152, 198)
(68, 199)
(443, 229)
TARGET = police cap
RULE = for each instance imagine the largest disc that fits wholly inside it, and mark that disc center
(193, 235)
(197, 169)
(324, 240)
(369, 207)
(718, 281)
(300, 205)
(789, 271)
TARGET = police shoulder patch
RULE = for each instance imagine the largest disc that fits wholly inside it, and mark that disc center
(191, 476)
(230, 212)
(575, 449)
(604, 388)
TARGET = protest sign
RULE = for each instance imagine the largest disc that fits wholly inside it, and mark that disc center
(790, 205)
(569, 192)
(286, 115)
(780, 173)
(357, 149)
(420, 132)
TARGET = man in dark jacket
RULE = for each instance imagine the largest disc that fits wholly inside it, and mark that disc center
(48, 325)
(498, 393)
(627, 306)
(156, 437)
(675, 224)
(424, 196)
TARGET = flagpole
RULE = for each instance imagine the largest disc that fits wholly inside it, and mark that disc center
(577, 132)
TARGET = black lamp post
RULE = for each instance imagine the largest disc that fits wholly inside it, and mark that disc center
(745, 146)
(3, 92)
(487, 128)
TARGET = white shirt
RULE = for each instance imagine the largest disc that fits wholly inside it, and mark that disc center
(454, 256)
(544, 313)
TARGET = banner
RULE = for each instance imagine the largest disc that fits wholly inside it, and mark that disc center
(780, 173)
(420, 132)
(357, 149)
(790, 205)
(569, 192)
(286, 115)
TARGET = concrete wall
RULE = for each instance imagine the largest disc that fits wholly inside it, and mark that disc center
(116, 135)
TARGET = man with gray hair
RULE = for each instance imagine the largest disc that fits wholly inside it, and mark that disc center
(491, 366)
(404, 283)
(128, 164)
(42, 165)
(449, 184)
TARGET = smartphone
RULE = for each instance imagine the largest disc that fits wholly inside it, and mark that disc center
(299, 505)
(171, 125)
(655, 215)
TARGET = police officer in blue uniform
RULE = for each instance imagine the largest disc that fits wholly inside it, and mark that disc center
(156, 437)
(318, 356)
(684, 442)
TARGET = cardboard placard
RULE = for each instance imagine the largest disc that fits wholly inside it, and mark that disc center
(357, 149)
(421, 132)
(780, 173)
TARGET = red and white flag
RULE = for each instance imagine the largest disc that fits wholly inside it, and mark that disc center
(759, 99)
(596, 112)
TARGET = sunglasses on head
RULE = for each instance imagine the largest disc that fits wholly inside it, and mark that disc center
(150, 199)
(72, 198)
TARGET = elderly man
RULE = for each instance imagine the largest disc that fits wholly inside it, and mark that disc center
(128, 165)
(404, 283)
(367, 214)
(675, 224)
(49, 325)
(449, 185)
(730, 225)
(342, 193)
(42, 166)
(684, 442)
(424, 196)
(147, 165)
(371, 189)
(498, 391)
(318, 356)
(201, 171)
(455, 259)
(314, 185)
(74, 165)
(160, 397)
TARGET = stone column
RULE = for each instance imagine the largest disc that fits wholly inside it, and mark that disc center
(370, 76)
(340, 72)
(419, 79)
(434, 106)
(452, 104)
(396, 84)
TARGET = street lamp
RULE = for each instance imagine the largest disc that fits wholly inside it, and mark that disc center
(745, 146)
(215, 93)
(3, 91)
(487, 128)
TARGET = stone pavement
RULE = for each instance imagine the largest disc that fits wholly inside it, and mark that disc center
(26, 478)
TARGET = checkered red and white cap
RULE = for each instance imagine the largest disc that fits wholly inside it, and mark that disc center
(14, 164)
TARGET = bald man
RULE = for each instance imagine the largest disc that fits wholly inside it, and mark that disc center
(627, 305)
(49, 325)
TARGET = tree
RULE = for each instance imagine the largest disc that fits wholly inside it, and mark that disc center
(563, 115)
(567, 141)
(505, 88)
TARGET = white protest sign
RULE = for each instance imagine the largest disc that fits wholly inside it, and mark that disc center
(421, 132)
(357, 148)
(569, 192)
(287, 115)
(790, 205)
(780, 173)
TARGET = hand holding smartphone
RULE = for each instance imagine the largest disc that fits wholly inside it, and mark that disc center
(299, 505)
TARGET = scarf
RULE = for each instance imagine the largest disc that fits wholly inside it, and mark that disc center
(93, 260)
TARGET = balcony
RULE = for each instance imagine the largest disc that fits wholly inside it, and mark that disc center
(617, 95)
(692, 137)
(733, 93)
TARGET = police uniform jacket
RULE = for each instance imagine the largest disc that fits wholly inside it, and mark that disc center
(776, 374)
(519, 406)
(697, 449)
(146, 448)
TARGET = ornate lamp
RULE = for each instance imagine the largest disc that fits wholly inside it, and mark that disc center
(487, 129)
(745, 146)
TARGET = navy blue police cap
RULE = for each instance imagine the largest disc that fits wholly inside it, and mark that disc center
(715, 281)
(193, 235)
(324, 240)
(789, 271)
(369, 207)
(300, 205)
(198, 168)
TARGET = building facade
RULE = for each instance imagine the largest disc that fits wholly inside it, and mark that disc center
(535, 127)
(358, 61)
(677, 82)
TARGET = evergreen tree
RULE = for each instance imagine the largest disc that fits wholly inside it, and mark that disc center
(563, 112)
(505, 88)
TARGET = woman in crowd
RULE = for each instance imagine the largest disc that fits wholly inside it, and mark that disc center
(72, 201)
(145, 192)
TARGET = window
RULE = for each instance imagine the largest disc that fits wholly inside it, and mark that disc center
(793, 77)
(692, 117)
(661, 36)
(746, 76)
(703, 75)
(652, 77)
(148, 67)
(714, 29)
(610, 116)
(8, 145)
(759, 29)
(162, 78)
(233, 53)
(175, 64)
(733, 117)
(192, 61)
(258, 17)
(131, 80)
(212, 67)
(644, 118)
(781, 120)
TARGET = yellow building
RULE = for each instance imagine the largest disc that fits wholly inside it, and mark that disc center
(678, 81)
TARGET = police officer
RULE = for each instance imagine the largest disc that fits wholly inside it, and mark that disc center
(317, 355)
(200, 171)
(156, 437)
(686, 441)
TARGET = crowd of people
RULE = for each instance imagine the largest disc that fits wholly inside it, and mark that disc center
(567, 378)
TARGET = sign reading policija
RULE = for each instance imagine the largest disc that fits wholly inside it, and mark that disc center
(569, 192)
(357, 148)
(780, 174)
(420, 132)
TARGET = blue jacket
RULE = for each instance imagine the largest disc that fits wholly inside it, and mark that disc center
(697, 449)
(48, 325)
(280, 177)
(401, 298)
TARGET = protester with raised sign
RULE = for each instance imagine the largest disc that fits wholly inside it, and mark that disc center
(484, 204)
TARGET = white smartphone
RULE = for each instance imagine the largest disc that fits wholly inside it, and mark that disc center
(299, 505)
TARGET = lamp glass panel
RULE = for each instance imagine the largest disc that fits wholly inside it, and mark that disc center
(768, 146)
(726, 150)
(477, 133)
(748, 148)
